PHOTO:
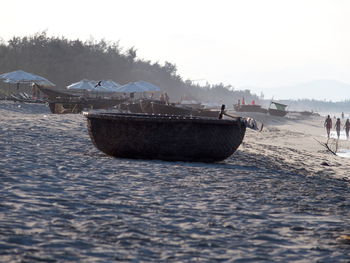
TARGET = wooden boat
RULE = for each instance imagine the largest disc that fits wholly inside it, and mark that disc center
(134, 107)
(172, 138)
(280, 109)
(146, 105)
(192, 104)
(206, 113)
(77, 105)
(54, 93)
(306, 113)
(249, 108)
(181, 110)
(275, 112)
(303, 113)
(24, 98)
(159, 108)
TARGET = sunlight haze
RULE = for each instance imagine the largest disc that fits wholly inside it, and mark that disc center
(253, 43)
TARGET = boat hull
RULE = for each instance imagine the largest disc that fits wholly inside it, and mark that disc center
(146, 106)
(280, 113)
(134, 107)
(207, 113)
(171, 138)
(76, 105)
(159, 108)
(249, 108)
(306, 113)
(54, 93)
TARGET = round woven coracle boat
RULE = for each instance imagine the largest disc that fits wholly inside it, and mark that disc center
(165, 137)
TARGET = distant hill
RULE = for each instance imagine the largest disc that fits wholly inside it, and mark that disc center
(322, 89)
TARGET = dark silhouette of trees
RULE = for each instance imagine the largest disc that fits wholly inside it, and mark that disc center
(64, 61)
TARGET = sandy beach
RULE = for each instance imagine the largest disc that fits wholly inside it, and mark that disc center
(274, 200)
(291, 143)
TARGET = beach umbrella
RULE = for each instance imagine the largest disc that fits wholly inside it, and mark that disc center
(148, 85)
(20, 76)
(110, 84)
(105, 85)
(132, 87)
(82, 85)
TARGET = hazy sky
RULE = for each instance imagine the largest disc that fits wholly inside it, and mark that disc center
(263, 43)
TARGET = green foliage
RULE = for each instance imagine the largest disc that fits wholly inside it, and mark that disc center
(64, 61)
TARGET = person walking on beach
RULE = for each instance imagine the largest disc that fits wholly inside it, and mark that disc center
(162, 98)
(166, 98)
(337, 127)
(347, 128)
(328, 125)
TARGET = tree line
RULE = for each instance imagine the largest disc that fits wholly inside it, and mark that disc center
(65, 61)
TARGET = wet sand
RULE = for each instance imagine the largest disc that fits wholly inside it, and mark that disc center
(272, 201)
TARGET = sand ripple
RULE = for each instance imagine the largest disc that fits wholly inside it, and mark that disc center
(63, 200)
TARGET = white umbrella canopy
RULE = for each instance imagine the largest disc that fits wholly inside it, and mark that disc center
(110, 84)
(132, 87)
(20, 76)
(148, 85)
(105, 85)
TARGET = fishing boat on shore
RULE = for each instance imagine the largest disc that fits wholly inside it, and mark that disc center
(146, 105)
(171, 138)
(249, 108)
(77, 105)
(134, 107)
(303, 113)
(306, 113)
(84, 88)
(207, 113)
(54, 92)
(162, 108)
(279, 110)
(23, 97)
(159, 108)
(86, 96)
(279, 113)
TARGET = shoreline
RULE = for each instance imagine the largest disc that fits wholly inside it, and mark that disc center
(292, 141)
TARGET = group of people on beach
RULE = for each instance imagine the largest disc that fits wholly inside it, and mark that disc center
(328, 124)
